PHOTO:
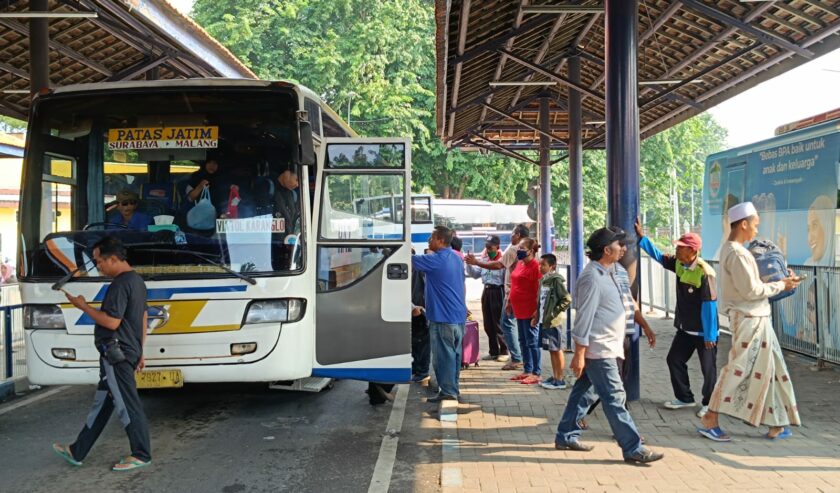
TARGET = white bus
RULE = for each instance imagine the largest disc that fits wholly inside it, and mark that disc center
(391, 207)
(254, 297)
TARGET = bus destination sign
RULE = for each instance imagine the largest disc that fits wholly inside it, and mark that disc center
(163, 138)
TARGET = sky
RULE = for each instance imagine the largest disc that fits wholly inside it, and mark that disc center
(805, 91)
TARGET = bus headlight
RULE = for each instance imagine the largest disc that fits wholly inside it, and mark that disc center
(43, 317)
(273, 311)
(240, 348)
(64, 353)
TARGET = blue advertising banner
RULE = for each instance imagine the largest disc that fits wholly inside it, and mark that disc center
(794, 187)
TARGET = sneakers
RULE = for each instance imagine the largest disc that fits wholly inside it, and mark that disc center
(488, 357)
(702, 412)
(678, 404)
(503, 358)
(644, 456)
(552, 383)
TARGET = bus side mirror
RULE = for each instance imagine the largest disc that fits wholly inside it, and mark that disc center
(306, 155)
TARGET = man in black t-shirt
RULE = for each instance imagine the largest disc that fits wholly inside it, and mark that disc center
(119, 335)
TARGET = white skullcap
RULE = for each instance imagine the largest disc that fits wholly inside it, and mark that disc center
(741, 211)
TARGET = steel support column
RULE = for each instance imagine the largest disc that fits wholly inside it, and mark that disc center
(575, 176)
(545, 176)
(622, 112)
(39, 48)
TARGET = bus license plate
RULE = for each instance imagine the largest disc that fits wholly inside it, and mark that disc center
(159, 379)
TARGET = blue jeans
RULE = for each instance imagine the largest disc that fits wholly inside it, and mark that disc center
(446, 355)
(600, 377)
(529, 340)
(511, 336)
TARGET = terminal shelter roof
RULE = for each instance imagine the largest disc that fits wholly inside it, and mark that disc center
(128, 39)
(692, 55)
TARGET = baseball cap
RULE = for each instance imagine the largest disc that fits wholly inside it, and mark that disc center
(690, 240)
(492, 240)
(604, 236)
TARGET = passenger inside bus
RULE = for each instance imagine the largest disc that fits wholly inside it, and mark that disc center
(126, 214)
(286, 199)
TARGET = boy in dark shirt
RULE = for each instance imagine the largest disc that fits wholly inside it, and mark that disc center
(119, 335)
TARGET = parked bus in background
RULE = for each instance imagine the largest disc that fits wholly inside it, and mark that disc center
(792, 179)
(253, 280)
(391, 207)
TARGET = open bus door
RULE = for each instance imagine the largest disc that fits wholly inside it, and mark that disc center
(363, 259)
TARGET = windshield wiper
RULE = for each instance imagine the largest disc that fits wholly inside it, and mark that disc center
(250, 280)
(64, 280)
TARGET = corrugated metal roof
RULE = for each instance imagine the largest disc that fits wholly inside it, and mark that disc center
(127, 40)
(714, 49)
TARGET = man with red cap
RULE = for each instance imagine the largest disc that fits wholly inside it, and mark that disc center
(696, 317)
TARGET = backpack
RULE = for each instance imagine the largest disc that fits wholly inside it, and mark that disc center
(771, 264)
(203, 214)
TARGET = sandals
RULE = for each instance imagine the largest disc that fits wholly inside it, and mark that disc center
(130, 463)
(64, 452)
(785, 433)
(530, 380)
(519, 377)
(716, 434)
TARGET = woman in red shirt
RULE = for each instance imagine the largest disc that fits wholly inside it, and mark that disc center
(524, 285)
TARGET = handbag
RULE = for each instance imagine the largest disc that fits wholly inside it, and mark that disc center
(203, 214)
(112, 352)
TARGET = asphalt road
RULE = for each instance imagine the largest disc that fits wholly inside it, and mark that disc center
(225, 438)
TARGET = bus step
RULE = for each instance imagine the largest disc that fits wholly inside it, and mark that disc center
(308, 384)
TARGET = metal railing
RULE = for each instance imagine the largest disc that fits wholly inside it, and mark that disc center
(12, 341)
(807, 322)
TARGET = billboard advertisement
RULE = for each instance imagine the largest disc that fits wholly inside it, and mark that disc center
(793, 184)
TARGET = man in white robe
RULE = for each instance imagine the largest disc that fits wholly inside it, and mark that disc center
(755, 385)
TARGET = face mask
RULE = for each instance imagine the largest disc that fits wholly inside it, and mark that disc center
(492, 255)
(521, 254)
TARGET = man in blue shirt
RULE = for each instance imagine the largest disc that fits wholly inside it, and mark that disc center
(126, 213)
(446, 309)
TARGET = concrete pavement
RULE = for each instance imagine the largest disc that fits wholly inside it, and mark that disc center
(505, 434)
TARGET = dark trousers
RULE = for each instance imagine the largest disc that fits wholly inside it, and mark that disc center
(116, 390)
(624, 366)
(491, 312)
(421, 349)
(682, 348)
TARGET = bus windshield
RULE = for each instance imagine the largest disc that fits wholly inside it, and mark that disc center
(196, 182)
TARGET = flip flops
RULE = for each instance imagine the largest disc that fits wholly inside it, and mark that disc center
(63, 451)
(786, 433)
(129, 464)
(716, 434)
(519, 377)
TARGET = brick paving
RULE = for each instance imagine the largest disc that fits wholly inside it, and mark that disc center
(505, 434)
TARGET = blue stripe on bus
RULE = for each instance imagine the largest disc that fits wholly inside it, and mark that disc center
(381, 375)
(155, 294)
(167, 293)
(415, 237)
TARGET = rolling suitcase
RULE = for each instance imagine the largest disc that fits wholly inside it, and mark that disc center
(469, 345)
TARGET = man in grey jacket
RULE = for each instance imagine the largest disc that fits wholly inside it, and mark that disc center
(599, 339)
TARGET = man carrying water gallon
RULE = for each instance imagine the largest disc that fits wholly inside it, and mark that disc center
(755, 385)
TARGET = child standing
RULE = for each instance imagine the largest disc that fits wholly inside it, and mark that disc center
(553, 299)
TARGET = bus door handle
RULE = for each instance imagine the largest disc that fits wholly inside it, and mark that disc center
(397, 271)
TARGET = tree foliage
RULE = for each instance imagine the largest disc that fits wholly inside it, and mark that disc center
(374, 63)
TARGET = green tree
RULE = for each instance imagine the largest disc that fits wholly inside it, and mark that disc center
(374, 62)
(9, 124)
